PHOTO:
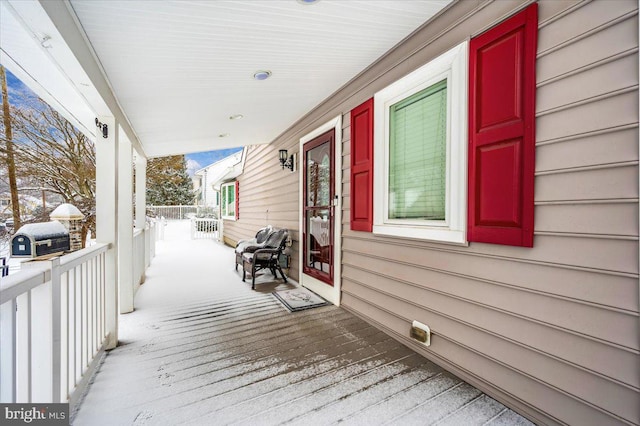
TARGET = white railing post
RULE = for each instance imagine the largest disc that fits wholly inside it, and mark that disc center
(138, 254)
(8, 354)
(154, 236)
(147, 247)
(56, 331)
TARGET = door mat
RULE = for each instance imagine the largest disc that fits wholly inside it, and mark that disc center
(299, 299)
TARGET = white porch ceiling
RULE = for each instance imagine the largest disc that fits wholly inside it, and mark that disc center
(179, 69)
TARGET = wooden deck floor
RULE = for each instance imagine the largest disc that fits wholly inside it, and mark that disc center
(203, 349)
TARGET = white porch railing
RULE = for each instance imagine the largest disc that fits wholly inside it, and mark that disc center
(144, 248)
(183, 212)
(53, 327)
(139, 261)
(205, 228)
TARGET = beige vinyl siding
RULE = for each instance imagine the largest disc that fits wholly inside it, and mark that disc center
(552, 331)
(268, 196)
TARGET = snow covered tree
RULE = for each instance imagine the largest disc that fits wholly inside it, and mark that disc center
(54, 156)
(168, 183)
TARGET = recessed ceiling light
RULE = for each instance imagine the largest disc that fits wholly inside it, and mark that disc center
(262, 75)
(224, 135)
(308, 1)
(236, 117)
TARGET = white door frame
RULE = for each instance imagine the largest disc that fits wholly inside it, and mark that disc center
(332, 294)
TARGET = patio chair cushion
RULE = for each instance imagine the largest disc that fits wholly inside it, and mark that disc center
(258, 241)
(252, 244)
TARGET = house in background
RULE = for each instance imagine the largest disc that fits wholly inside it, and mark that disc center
(5, 205)
(30, 206)
(512, 233)
(213, 180)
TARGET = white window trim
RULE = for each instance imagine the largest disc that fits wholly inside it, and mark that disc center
(223, 205)
(452, 65)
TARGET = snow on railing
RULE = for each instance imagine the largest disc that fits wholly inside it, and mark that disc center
(160, 223)
(139, 236)
(144, 250)
(205, 228)
(149, 242)
(53, 327)
(183, 212)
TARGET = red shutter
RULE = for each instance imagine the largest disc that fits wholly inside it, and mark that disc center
(237, 186)
(502, 89)
(362, 167)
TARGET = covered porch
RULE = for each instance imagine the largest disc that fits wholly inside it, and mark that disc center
(550, 328)
(202, 348)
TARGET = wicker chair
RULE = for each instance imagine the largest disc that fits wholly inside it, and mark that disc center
(267, 257)
(252, 244)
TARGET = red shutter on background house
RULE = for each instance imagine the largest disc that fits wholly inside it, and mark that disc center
(237, 185)
(362, 167)
(502, 89)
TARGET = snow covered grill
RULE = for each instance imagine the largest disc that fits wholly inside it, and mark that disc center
(40, 239)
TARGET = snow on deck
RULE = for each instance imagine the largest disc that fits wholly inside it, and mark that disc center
(202, 348)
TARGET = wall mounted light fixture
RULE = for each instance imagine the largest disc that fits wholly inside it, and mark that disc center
(103, 127)
(286, 160)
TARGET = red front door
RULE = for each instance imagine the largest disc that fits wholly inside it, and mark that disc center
(318, 207)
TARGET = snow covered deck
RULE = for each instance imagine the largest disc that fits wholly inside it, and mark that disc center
(201, 348)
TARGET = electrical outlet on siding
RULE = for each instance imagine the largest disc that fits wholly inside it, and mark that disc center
(421, 333)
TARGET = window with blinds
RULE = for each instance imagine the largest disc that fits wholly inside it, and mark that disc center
(417, 155)
(420, 146)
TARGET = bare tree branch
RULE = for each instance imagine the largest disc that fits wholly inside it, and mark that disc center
(57, 156)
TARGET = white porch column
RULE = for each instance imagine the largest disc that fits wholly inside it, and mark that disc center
(125, 222)
(141, 191)
(107, 220)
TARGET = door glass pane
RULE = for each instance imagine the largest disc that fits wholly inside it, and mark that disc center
(417, 155)
(318, 209)
(318, 250)
(318, 176)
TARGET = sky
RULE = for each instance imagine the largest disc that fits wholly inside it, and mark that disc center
(201, 159)
(18, 90)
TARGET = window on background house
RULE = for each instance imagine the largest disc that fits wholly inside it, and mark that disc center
(420, 145)
(229, 200)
